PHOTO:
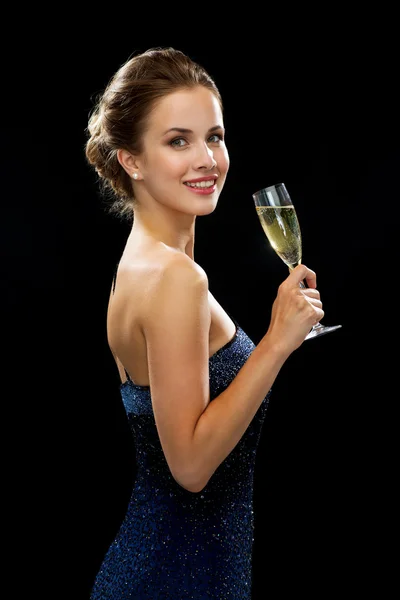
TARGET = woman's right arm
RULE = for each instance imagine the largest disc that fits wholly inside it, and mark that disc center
(197, 435)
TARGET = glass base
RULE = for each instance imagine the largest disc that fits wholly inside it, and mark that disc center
(319, 329)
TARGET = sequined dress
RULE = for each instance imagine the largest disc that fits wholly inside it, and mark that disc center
(175, 544)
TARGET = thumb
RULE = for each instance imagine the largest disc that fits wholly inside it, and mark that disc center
(301, 272)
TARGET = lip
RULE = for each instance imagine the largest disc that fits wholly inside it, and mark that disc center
(206, 178)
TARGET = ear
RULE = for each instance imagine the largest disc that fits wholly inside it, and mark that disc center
(127, 161)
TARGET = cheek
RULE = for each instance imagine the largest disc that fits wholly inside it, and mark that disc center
(175, 164)
(166, 164)
(223, 161)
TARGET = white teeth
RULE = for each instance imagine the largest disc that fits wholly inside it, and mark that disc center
(201, 184)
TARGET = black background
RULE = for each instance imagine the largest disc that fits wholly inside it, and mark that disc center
(314, 105)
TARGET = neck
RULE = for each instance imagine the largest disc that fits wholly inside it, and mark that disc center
(178, 234)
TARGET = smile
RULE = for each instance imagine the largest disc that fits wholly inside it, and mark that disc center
(201, 184)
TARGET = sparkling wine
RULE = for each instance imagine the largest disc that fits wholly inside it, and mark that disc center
(279, 221)
(282, 229)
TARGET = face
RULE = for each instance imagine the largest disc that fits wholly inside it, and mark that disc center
(185, 161)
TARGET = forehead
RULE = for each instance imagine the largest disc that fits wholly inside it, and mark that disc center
(186, 108)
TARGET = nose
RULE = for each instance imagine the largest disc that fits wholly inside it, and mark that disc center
(205, 159)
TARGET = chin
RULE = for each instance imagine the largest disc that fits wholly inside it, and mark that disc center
(207, 208)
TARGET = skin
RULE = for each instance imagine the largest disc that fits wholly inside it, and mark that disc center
(163, 323)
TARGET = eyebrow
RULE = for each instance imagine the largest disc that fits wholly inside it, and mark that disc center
(183, 130)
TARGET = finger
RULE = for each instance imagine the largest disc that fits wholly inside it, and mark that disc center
(311, 293)
(301, 272)
(319, 314)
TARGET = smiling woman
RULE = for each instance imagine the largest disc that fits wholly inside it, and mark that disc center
(191, 157)
(194, 386)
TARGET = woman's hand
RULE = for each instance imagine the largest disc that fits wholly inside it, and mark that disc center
(295, 309)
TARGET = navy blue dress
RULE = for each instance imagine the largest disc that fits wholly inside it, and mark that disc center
(175, 544)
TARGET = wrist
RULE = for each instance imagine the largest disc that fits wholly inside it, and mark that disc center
(276, 350)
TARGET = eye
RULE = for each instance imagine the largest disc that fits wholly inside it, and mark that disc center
(215, 138)
(178, 142)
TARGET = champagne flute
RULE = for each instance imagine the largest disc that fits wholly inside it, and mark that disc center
(279, 221)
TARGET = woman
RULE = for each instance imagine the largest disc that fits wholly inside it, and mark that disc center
(194, 385)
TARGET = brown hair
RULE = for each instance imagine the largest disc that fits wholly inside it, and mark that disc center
(118, 118)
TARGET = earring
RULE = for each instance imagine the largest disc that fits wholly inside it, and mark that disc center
(134, 176)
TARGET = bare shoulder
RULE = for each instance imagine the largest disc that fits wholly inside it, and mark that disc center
(156, 267)
(178, 269)
(152, 288)
(179, 284)
(158, 296)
